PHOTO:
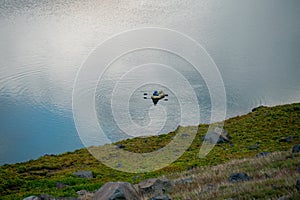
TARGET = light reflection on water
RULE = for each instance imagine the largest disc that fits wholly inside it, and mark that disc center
(43, 43)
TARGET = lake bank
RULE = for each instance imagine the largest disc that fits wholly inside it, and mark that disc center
(263, 130)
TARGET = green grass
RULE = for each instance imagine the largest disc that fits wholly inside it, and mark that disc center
(266, 125)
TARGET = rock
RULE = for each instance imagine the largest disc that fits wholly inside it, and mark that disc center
(84, 194)
(155, 187)
(117, 191)
(60, 185)
(185, 135)
(298, 184)
(276, 187)
(217, 136)
(253, 147)
(257, 108)
(287, 139)
(184, 181)
(84, 174)
(121, 146)
(162, 197)
(46, 197)
(296, 148)
(262, 154)
(81, 192)
(119, 165)
(210, 187)
(283, 198)
(32, 198)
(191, 167)
(239, 177)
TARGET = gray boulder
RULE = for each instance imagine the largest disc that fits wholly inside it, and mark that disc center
(155, 187)
(236, 177)
(296, 148)
(117, 191)
(84, 174)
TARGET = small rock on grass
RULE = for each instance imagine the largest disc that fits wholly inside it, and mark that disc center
(262, 154)
(298, 184)
(253, 147)
(60, 185)
(296, 148)
(121, 146)
(32, 198)
(162, 197)
(236, 177)
(155, 187)
(184, 181)
(49, 197)
(287, 139)
(84, 174)
(283, 198)
(217, 136)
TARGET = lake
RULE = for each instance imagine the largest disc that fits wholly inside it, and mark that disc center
(255, 45)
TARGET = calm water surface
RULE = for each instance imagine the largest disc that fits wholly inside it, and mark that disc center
(255, 44)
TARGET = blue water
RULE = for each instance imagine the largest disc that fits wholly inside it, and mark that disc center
(29, 131)
(254, 43)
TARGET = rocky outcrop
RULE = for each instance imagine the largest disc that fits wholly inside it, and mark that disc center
(117, 191)
(155, 187)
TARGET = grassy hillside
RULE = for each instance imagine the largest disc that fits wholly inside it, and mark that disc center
(264, 125)
(274, 176)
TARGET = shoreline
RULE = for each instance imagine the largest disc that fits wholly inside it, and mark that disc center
(77, 149)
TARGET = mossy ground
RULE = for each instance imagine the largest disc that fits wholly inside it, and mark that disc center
(266, 125)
